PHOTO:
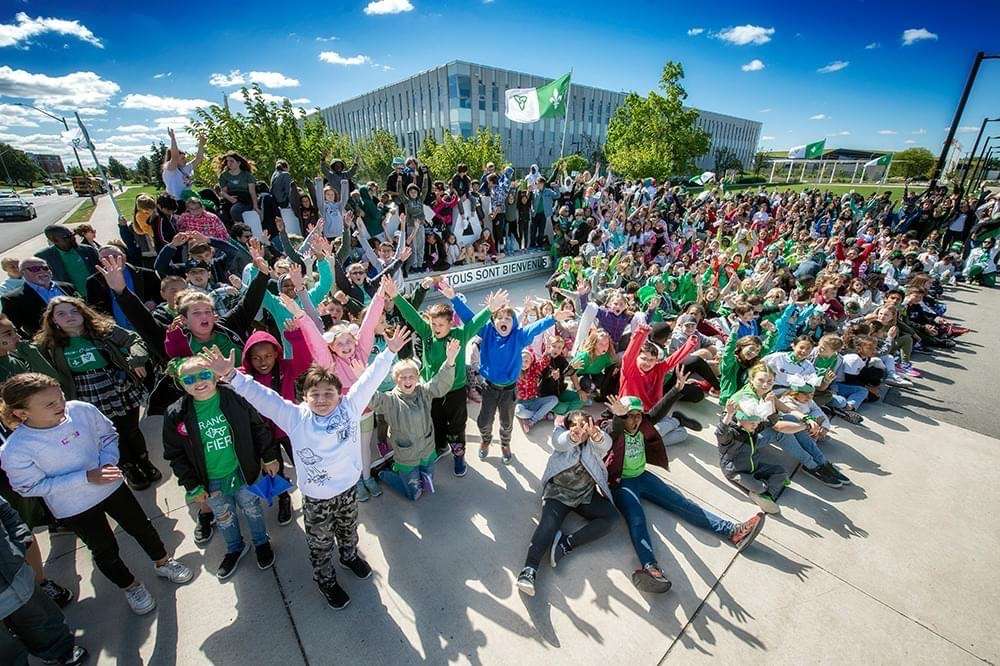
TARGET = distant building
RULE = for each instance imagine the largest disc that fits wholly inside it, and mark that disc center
(50, 164)
(463, 97)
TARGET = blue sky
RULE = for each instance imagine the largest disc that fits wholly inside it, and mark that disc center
(879, 75)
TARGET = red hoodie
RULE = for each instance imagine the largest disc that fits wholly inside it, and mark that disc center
(289, 369)
(648, 386)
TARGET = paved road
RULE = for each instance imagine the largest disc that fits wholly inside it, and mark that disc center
(50, 209)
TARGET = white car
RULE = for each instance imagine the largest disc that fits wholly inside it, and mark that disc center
(13, 207)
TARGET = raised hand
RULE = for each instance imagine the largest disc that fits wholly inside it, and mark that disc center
(398, 340)
(236, 281)
(388, 287)
(295, 275)
(113, 269)
(221, 365)
(681, 376)
(291, 305)
(180, 238)
(562, 315)
(447, 290)
(451, 351)
(614, 404)
(321, 247)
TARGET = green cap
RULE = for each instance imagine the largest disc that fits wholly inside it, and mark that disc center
(631, 402)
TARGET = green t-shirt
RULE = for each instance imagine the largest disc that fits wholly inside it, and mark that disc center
(635, 455)
(82, 356)
(219, 340)
(238, 185)
(824, 365)
(592, 366)
(217, 438)
(77, 270)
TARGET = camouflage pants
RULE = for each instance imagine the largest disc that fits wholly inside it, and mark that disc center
(330, 522)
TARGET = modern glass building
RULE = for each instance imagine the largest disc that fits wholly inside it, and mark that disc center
(463, 97)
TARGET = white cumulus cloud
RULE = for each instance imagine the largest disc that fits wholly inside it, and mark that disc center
(133, 129)
(72, 90)
(21, 32)
(694, 32)
(764, 111)
(165, 122)
(872, 45)
(754, 65)
(335, 58)
(914, 35)
(819, 116)
(919, 131)
(266, 79)
(163, 75)
(742, 35)
(909, 141)
(887, 132)
(834, 66)
(379, 7)
(767, 138)
(280, 99)
(162, 104)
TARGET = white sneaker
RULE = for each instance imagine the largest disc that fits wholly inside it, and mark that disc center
(765, 502)
(896, 380)
(174, 571)
(140, 600)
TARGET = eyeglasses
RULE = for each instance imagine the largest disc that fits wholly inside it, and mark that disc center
(202, 376)
(36, 269)
(356, 273)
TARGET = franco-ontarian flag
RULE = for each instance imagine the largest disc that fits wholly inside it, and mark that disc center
(808, 151)
(879, 161)
(527, 105)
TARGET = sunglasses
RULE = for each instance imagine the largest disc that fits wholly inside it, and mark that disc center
(201, 376)
(36, 269)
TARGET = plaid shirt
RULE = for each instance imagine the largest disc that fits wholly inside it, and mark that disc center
(206, 223)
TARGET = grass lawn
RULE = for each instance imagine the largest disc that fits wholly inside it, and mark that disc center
(126, 202)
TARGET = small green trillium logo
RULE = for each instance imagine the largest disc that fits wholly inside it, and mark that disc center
(521, 101)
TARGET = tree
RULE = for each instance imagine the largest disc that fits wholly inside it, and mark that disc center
(76, 171)
(759, 158)
(913, 163)
(142, 166)
(725, 159)
(443, 158)
(117, 170)
(655, 135)
(376, 152)
(18, 167)
(264, 133)
(570, 163)
(154, 172)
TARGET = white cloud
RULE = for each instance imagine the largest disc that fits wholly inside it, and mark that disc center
(133, 129)
(754, 65)
(834, 66)
(742, 35)
(819, 116)
(872, 45)
(12, 115)
(764, 111)
(919, 131)
(266, 79)
(965, 129)
(335, 58)
(163, 75)
(914, 35)
(133, 138)
(767, 138)
(887, 132)
(71, 90)
(909, 141)
(694, 32)
(165, 122)
(83, 110)
(842, 133)
(379, 7)
(162, 104)
(20, 33)
(280, 99)
(326, 39)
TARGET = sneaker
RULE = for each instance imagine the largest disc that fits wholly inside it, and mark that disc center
(57, 593)
(336, 598)
(525, 425)
(849, 415)
(460, 466)
(746, 532)
(362, 491)
(371, 484)
(837, 473)
(284, 509)
(765, 502)
(484, 450)
(907, 369)
(822, 474)
(265, 555)
(230, 562)
(475, 396)
(77, 655)
(687, 422)
(560, 549)
(358, 566)
(149, 471)
(174, 571)
(134, 477)
(898, 381)
(650, 579)
(505, 455)
(140, 600)
(427, 482)
(203, 531)
(526, 581)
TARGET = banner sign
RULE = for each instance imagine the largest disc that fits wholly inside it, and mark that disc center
(507, 270)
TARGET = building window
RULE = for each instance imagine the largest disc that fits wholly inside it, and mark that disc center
(459, 88)
(482, 96)
(495, 100)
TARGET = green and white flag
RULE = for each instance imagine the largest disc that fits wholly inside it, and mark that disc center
(528, 105)
(879, 161)
(705, 177)
(808, 151)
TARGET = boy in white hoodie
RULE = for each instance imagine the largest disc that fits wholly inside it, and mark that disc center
(325, 438)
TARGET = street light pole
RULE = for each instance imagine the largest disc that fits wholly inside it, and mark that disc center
(972, 153)
(4, 163)
(984, 160)
(979, 160)
(65, 125)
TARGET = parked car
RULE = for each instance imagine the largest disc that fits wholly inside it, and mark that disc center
(64, 189)
(39, 192)
(49, 189)
(13, 207)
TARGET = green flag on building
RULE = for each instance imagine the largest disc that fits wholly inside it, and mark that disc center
(528, 105)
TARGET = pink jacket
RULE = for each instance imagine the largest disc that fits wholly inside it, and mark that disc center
(340, 366)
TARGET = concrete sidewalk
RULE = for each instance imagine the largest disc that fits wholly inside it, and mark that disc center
(901, 567)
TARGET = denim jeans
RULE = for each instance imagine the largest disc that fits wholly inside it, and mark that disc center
(224, 507)
(406, 483)
(651, 487)
(671, 431)
(853, 394)
(799, 445)
(535, 409)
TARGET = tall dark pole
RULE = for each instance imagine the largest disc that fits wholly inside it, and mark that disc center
(979, 161)
(972, 153)
(983, 168)
(943, 157)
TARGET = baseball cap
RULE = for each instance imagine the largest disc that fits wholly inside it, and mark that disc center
(632, 403)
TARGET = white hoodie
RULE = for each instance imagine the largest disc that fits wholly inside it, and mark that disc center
(326, 449)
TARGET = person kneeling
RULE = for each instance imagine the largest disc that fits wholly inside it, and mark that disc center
(570, 482)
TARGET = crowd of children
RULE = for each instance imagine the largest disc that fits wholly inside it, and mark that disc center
(791, 309)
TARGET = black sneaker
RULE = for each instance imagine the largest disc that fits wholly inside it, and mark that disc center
(56, 593)
(149, 471)
(230, 562)
(203, 531)
(460, 467)
(687, 422)
(837, 473)
(77, 655)
(265, 555)
(336, 598)
(58, 529)
(358, 566)
(134, 477)
(823, 476)
(650, 579)
(284, 509)
(560, 549)
(526, 581)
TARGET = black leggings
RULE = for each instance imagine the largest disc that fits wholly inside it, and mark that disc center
(599, 513)
(449, 415)
(93, 529)
(522, 232)
(131, 443)
(603, 385)
(699, 366)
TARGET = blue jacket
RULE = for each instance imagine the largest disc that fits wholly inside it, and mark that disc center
(500, 356)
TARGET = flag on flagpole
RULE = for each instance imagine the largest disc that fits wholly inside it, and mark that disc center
(75, 138)
(879, 161)
(706, 177)
(527, 105)
(808, 151)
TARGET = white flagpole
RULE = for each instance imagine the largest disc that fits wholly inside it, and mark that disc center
(100, 169)
(885, 176)
(569, 99)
